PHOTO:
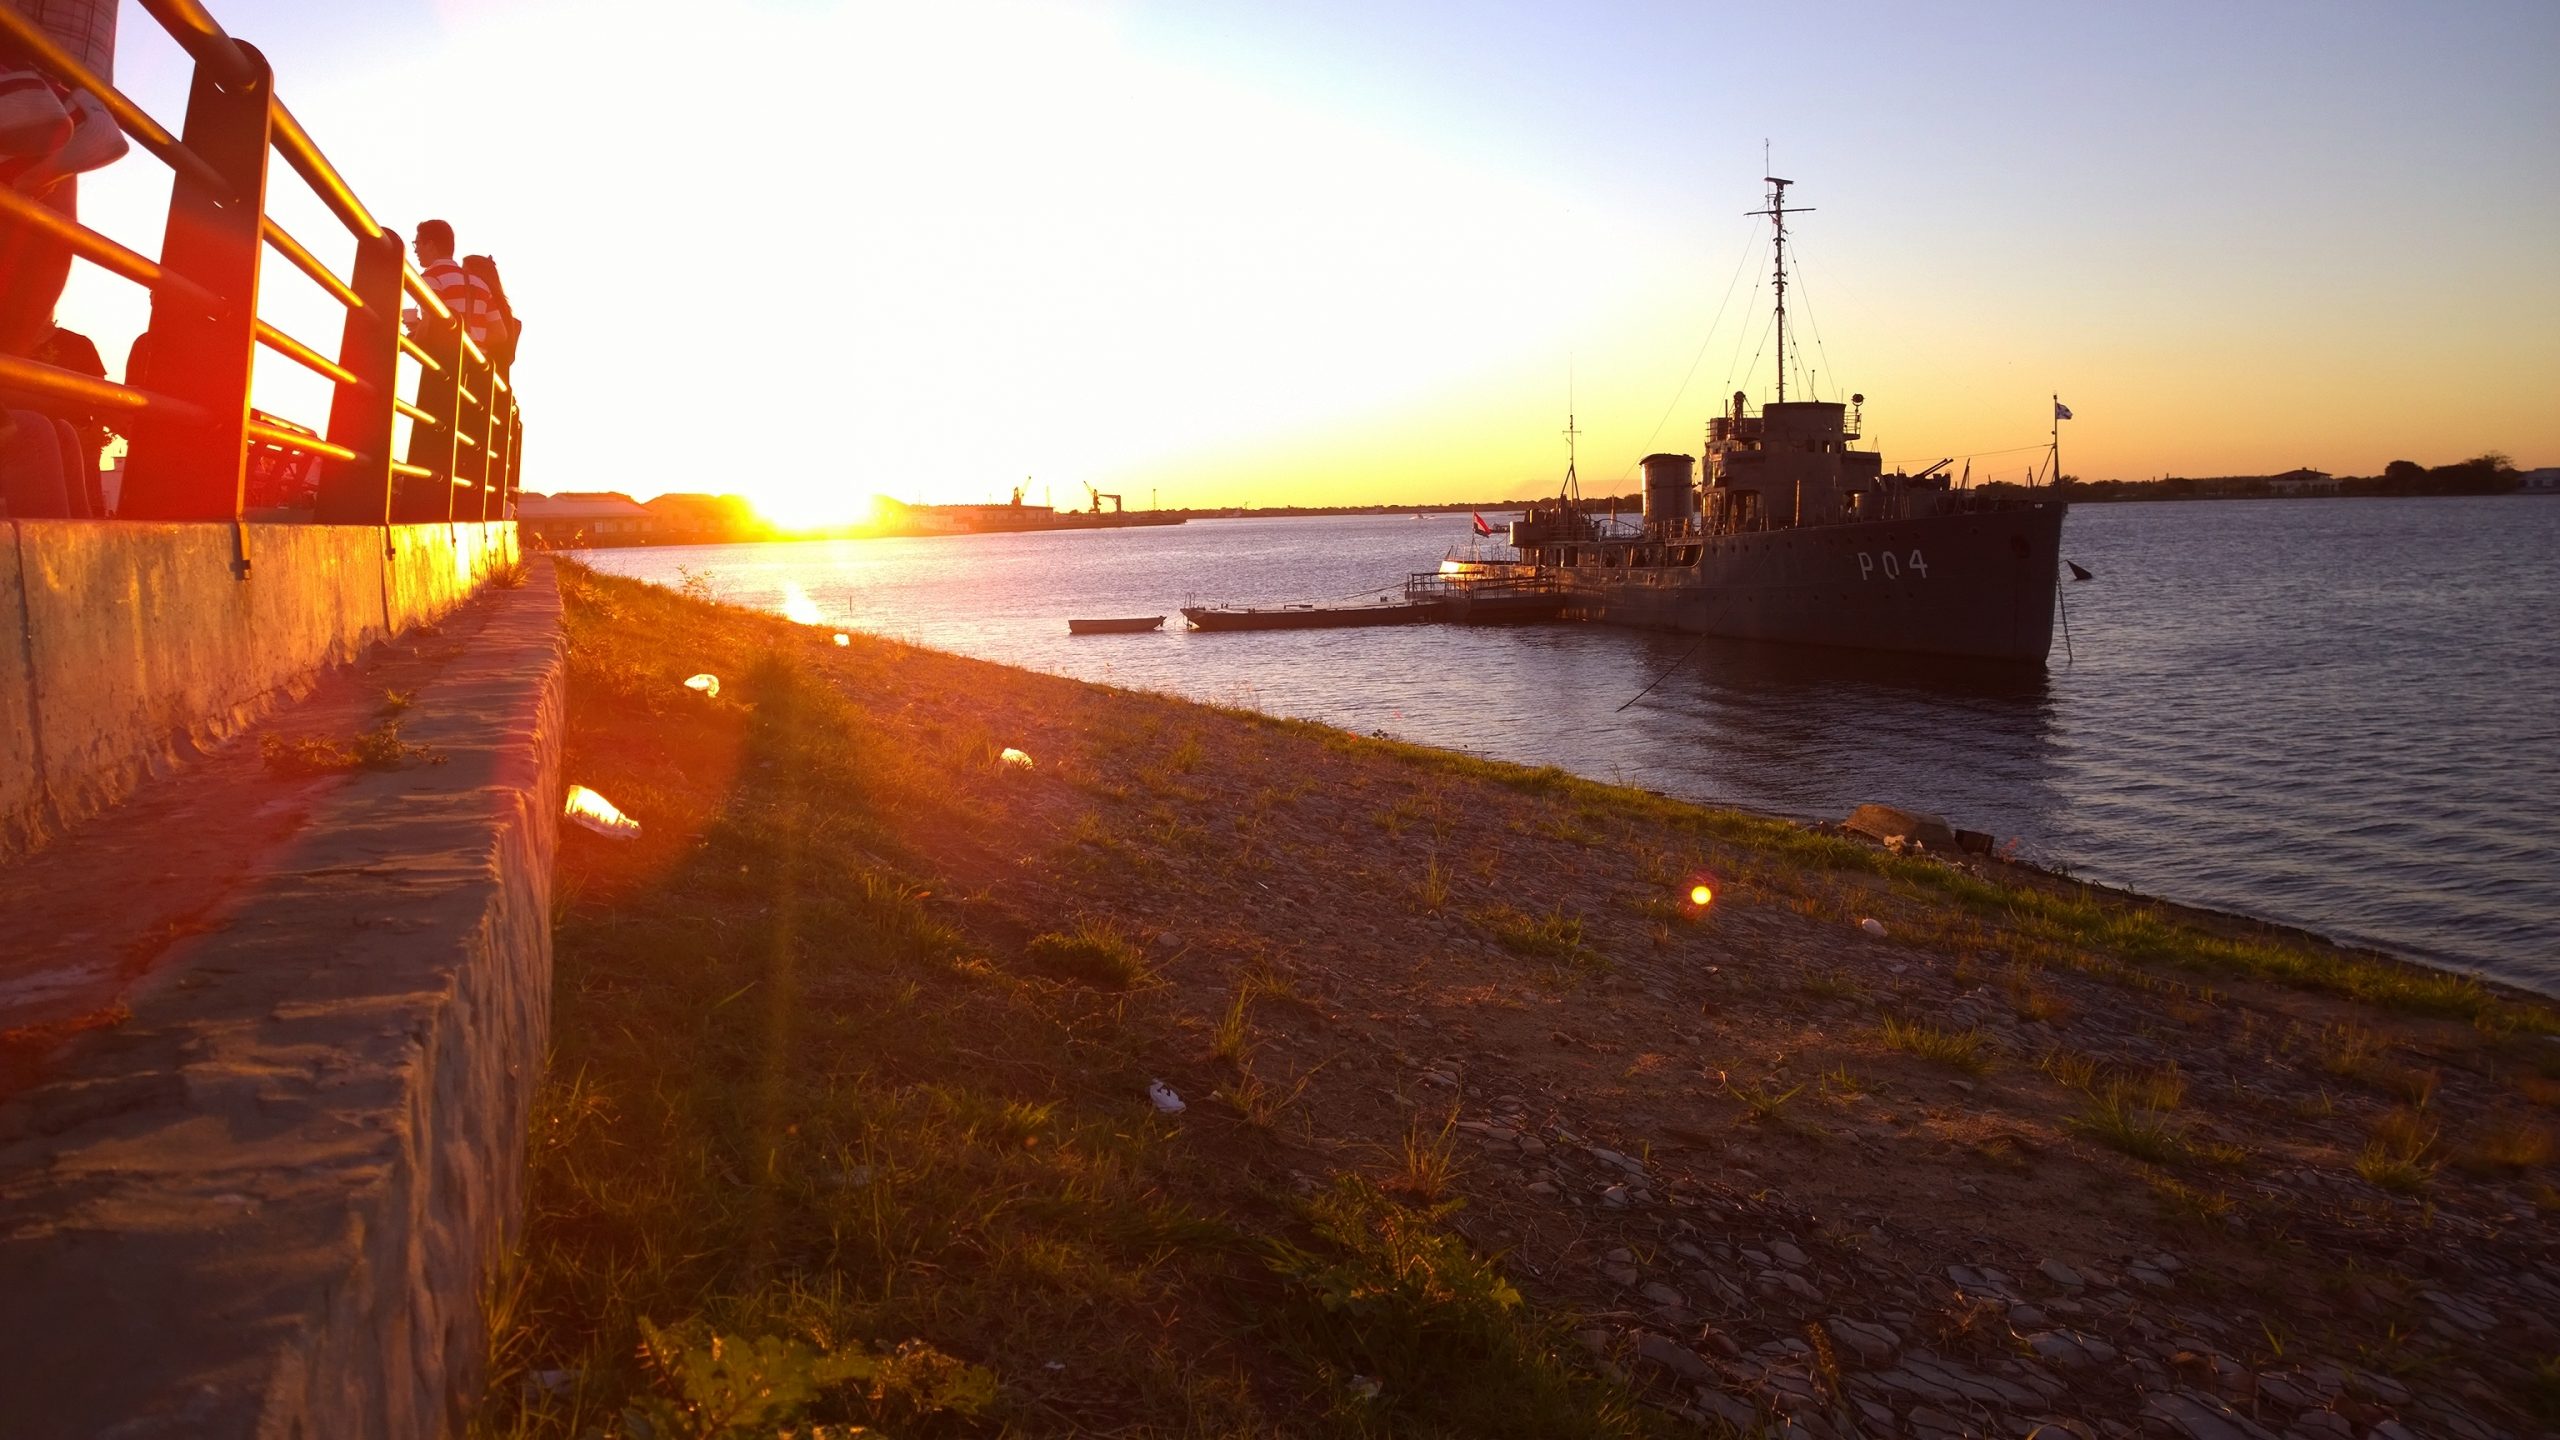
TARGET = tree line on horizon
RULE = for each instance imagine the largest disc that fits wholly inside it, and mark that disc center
(2489, 473)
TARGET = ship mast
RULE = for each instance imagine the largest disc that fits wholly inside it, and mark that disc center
(1778, 213)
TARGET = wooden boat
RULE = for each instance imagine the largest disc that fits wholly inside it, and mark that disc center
(1128, 626)
(1309, 617)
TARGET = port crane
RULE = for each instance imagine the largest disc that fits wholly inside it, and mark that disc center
(1101, 495)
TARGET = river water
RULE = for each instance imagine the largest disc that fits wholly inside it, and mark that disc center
(2344, 714)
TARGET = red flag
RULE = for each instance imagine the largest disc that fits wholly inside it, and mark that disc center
(1481, 527)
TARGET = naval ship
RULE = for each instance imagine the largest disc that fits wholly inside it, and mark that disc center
(1798, 538)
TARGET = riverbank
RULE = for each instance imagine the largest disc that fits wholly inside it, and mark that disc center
(1488, 1128)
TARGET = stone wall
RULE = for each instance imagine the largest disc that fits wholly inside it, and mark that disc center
(263, 1192)
(126, 648)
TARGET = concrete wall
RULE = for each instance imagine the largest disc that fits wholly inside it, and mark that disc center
(264, 1198)
(127, 647)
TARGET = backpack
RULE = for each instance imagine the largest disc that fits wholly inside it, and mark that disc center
(504, 334)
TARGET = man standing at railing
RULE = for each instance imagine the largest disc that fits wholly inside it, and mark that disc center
(475, 309)
(463, 293)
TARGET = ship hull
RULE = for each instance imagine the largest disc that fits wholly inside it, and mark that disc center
(1978, 585)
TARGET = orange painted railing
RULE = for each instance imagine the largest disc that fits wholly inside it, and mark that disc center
(188, 417)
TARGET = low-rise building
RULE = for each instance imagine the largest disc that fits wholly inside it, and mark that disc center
(579, 519)
(2545, 481)
(2303, 481)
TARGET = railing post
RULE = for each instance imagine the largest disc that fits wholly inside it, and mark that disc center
(419, 499)
(214, 239)
(359, 493)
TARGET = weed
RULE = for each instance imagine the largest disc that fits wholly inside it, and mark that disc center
(1428, 1160)
(2397, 1157)
(395, 701)
(1227, 1042)
(1831, 985)
(2187, 1200)
(1840, 1085)
(1767, 1106)
(1965, 1050)
(1260, 1103)
(2115, 1120)
(380, 748)
(708, 1386)
(1552, 936)
(1433, 891)
(1382, 1290)
(2069, 1068)
(2511, 1146)
(1095, 953)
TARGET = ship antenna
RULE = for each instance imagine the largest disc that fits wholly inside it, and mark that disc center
(1572, 432)
(1778, 213)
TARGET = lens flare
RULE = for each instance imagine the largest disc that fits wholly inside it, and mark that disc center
(1702, 895)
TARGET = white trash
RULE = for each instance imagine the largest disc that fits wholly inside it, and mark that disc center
(591, 810)
(1166, 1102)
(709, 685)
(1872, 926)
(843, 639)
(1015, 758)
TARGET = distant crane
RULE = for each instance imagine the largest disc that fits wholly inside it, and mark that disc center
(1101, 495)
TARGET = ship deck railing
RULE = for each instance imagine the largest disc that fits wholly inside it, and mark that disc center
(188, 419)
(1436, 585)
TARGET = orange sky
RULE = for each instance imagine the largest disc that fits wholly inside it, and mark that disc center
(1346, 253)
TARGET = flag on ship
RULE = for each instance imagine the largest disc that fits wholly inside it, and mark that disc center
(1481, 527)
(2061, 411)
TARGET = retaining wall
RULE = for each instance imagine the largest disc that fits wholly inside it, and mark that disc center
(263, 1194)
(126, 647)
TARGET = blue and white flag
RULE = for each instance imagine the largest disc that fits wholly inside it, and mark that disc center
(2061, 411)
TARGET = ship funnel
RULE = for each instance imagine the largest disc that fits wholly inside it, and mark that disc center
(1670, 497)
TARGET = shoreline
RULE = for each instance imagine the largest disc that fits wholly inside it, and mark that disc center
(855, 1041)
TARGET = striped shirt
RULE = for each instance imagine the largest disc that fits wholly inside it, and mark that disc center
(467, 296)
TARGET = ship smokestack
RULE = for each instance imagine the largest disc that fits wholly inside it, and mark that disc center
(1670, 497)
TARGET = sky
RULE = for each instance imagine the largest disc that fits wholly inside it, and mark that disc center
(1203, 253)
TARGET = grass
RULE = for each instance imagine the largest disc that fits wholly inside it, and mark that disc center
(813, 1153)
(1552, 936)
(2115, 1120)
(379, 748)
(1768, 1106)
(1094, 953)
(1964, 1050)
(2400, 1155)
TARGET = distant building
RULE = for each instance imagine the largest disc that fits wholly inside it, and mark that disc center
(2545, 481)
(579, 518)
(2305, 481)
(693, 519)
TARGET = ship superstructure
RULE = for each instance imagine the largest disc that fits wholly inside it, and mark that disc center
(1794, 536)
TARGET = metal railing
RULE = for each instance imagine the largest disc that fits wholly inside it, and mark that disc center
(187, 416)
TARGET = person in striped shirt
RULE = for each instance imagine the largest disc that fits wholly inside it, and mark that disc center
(463, 293)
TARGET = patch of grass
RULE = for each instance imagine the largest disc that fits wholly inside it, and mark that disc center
(1552, 936)
(2115, 1120)
(1432, 891)
(2510, 1146)
(379, 748)
(1427, 1161)
(1258, 1102)
(1831, 985)
(1227, 1041)
(1768, 1106)
(1094, 953)
(2188, 1201)
(2399, 1155)
(1964, 1050)
(2070, 1069)
(1840, 1085)
(1382, 1290)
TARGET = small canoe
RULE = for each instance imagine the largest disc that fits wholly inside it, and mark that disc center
(1130, 626)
